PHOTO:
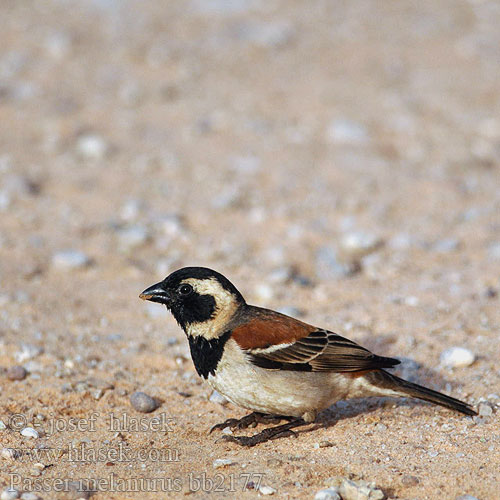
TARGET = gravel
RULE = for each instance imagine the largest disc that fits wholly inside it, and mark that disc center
(29, 432)
(70, 259)
(342, 131)
(327, 494)
(485, 410)
(16, 372)
(29, 496)
(91, 147)
(132, 237)
(142, 402)
(267, 490)
(216, 397)
(457, 357)
(222, 462)
(359, 490)
(28, 351)
(9, 494)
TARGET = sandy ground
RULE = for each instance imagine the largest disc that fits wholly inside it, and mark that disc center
(260, 139)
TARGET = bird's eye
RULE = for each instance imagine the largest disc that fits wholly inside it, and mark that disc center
(185, 290)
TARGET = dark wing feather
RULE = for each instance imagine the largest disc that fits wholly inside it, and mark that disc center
(320, 351)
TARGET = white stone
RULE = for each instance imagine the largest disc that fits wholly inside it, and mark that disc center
(130, 210)
(267, 490)
(216, 397)
(91, 146)
(70, 259)
(132, 237)
(327, 494)
(264, 292)
(485, 410)
(28, 351)
(29, 496)
(9, 494)
(346, 132)
(222, 462)
(359, 490)
(358, 244)
(4, 200)
(29, 432)
(8, 453)
(455, 357)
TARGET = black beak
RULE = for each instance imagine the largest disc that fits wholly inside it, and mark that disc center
(156, 293)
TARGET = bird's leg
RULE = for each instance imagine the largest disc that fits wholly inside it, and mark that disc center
(276, 432)
(247, 421)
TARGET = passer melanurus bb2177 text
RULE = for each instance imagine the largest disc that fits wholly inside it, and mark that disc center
(271, 363)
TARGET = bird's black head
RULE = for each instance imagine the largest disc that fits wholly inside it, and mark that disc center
(201, 300)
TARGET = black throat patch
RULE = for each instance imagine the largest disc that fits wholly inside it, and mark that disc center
(206, 354)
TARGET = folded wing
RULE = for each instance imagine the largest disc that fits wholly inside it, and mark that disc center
(321, 350)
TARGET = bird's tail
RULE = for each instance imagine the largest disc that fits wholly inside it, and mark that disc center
(386, 380)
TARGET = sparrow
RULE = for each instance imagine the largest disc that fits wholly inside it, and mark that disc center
(271, 363)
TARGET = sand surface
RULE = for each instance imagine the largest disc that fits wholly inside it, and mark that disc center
(339, 161)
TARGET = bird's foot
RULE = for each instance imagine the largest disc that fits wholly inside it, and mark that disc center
(248, 421)
(279, 431)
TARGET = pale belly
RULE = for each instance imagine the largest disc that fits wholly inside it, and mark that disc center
(297, 394)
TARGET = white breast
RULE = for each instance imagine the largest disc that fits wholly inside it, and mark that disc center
(278, 392)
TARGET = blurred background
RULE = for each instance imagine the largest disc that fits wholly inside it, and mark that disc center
(283, 145)
(337, 160)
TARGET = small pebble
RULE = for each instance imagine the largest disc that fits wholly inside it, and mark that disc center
(274, 462)
(381, 427)
(4, 200)
(409, 481)
(264, 292)
(446, 245)
(455, 357)
(222, 462)
(130, 210)
(466, 497)
(359, 490)
(16, 373)
(358, 244)
(142, 402)
(325, 444)
(9, 494)
(2, 425)
(215, 397)
(99, 383)
(29, 432)
(494, 250)
(485, 410)
(9, 453)
(75, 493)
(70, 259)
(28, 351)
(328, 265)
(346, 132)
(267, 490)
(327, 494)
(91, 147)
(132, 237)
(29, 496)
